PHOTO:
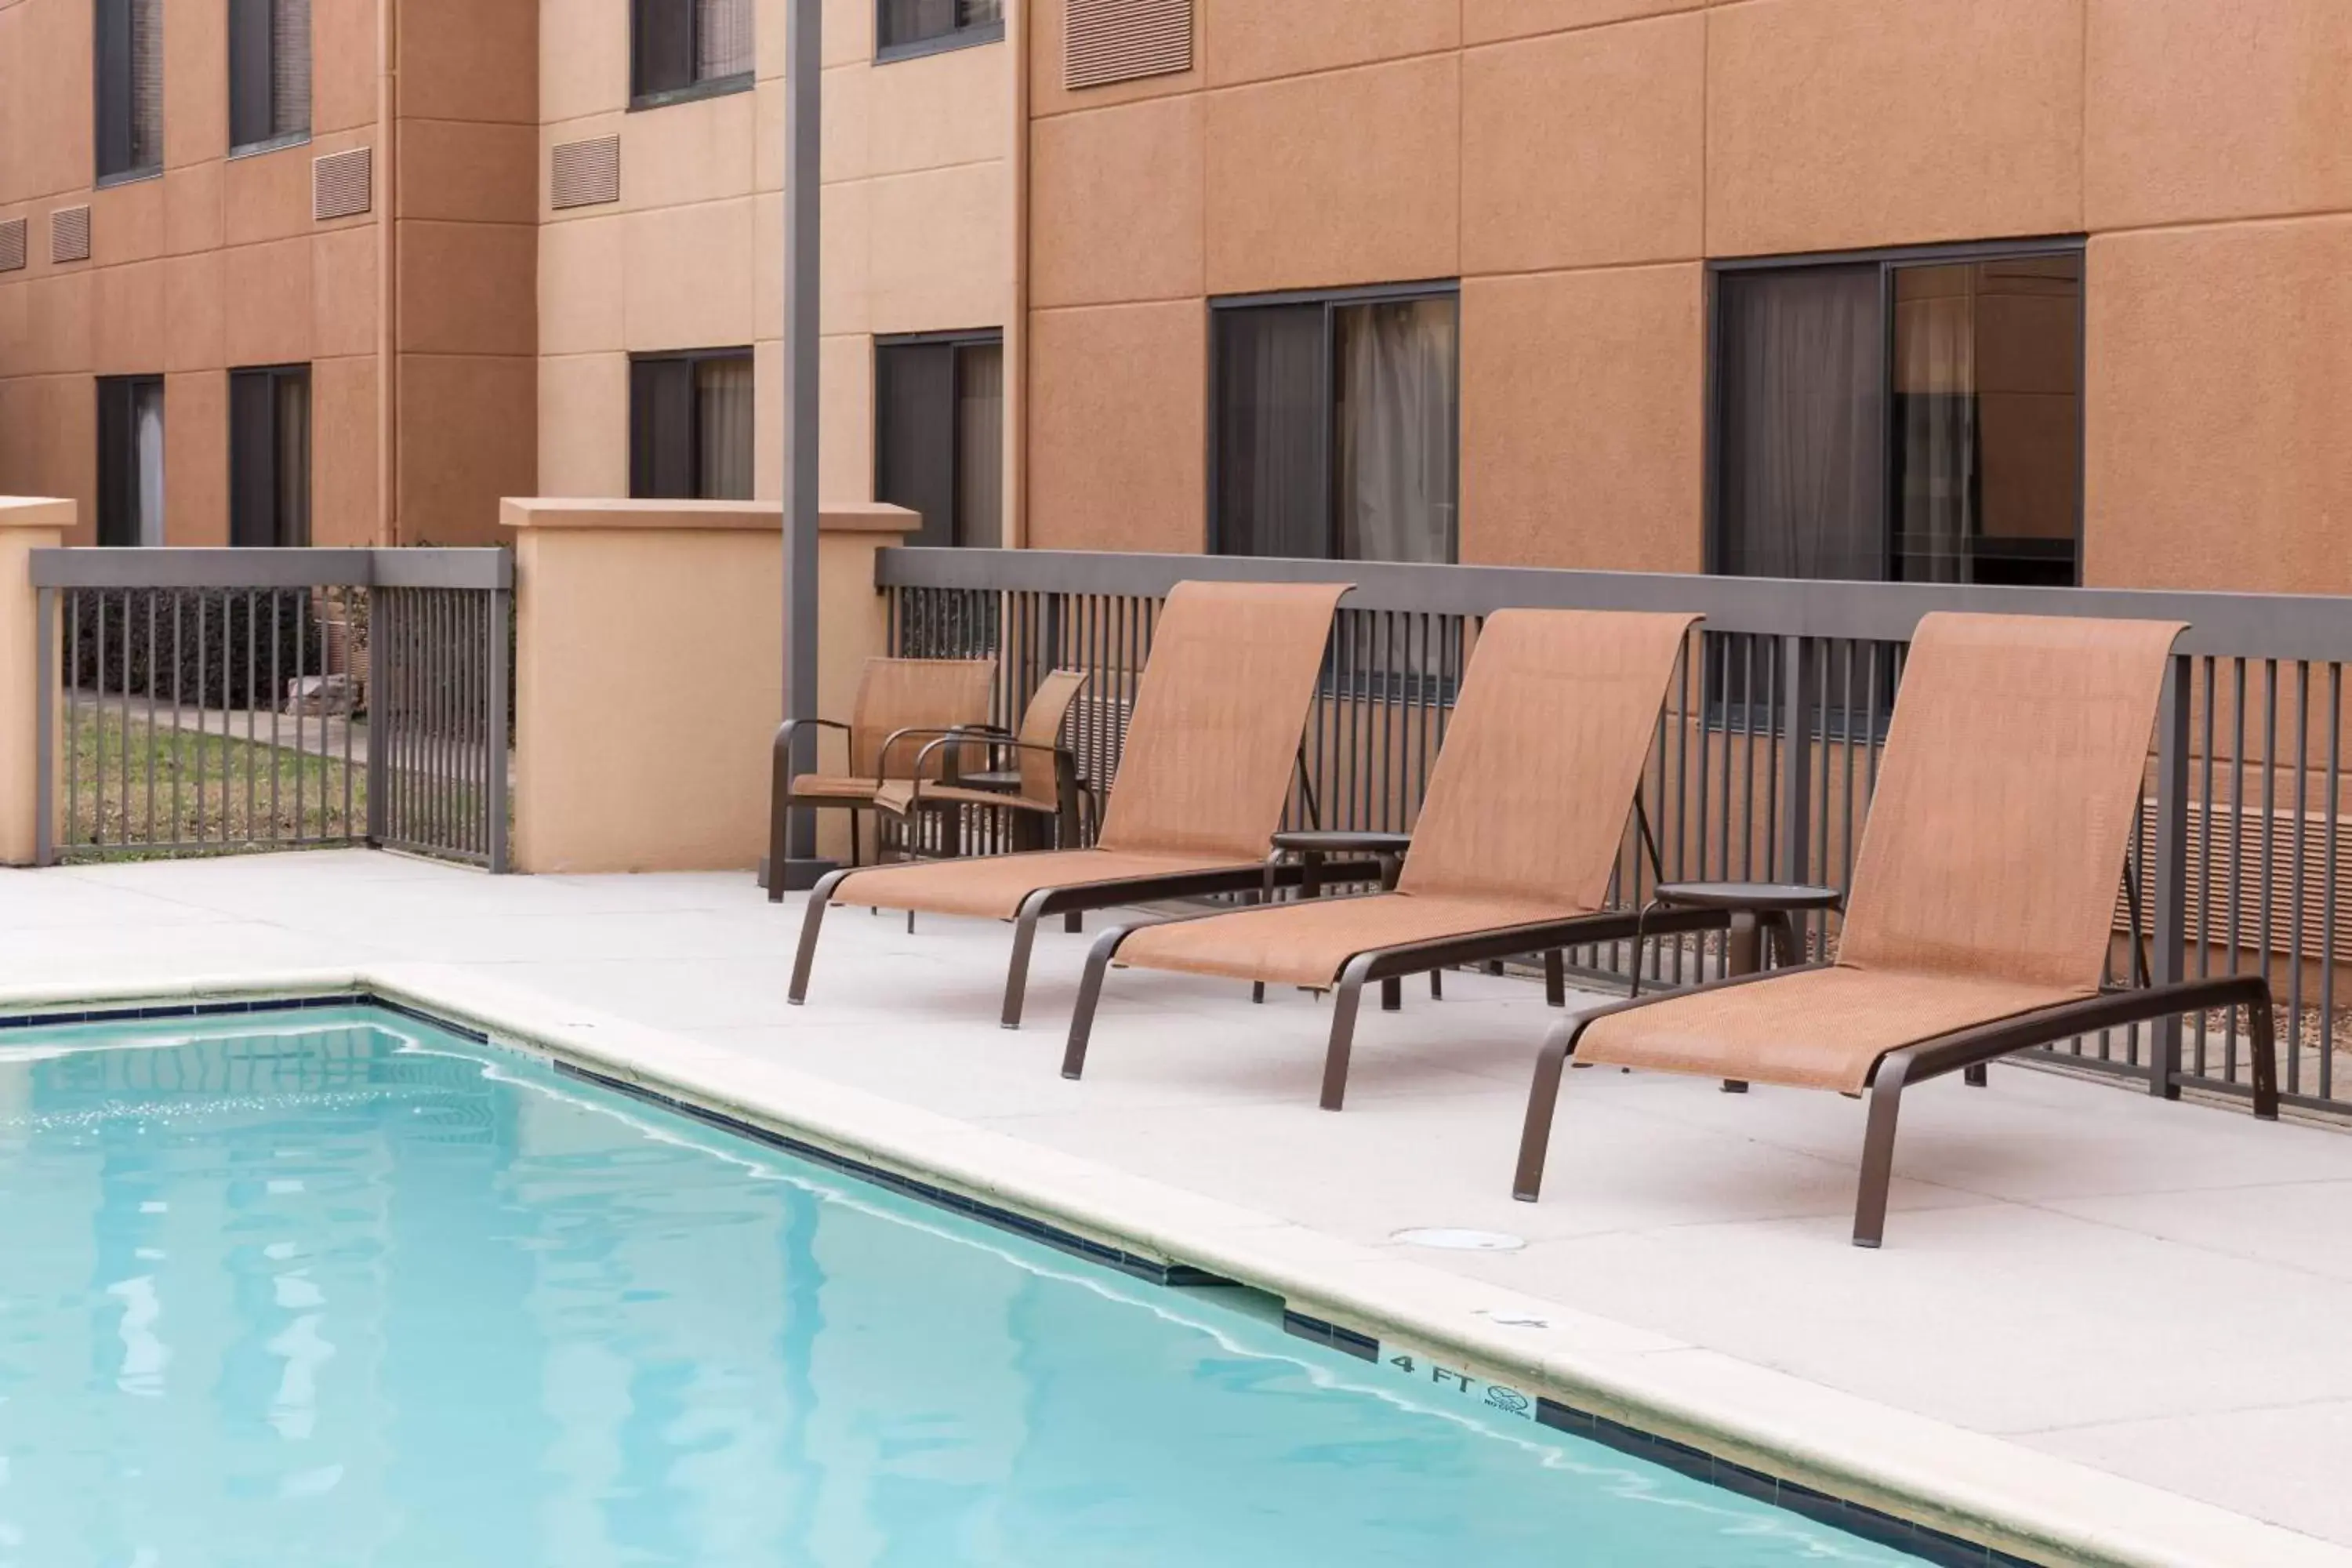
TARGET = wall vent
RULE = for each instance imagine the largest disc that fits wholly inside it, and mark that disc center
(11, 246)
(585, 173)
(1119, 40)
(70, 235)
(342, 185)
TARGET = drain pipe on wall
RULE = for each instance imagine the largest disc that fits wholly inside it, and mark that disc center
(1016, 316)
(387, 275)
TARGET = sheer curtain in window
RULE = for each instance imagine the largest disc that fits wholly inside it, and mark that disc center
(1395, 417)
(723, 39)
(289, 67)
(722, 427)
(147, 449)
(979, 445)
(1271, 432)
(1935, 421)
(293, 460)
(146, 84)
(1801, 421)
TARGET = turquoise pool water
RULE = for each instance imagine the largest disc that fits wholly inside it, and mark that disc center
(333, 1287)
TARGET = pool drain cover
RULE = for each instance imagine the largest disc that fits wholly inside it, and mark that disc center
(1461, 1240)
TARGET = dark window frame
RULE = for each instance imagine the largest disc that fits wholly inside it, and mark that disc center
(101, 101)
(240, 479)
(937, 43)
(956, 340)
(117, 481)
(276, 140)
(690, 358)
(1889, 259)
(643, 97)
(1331, 300)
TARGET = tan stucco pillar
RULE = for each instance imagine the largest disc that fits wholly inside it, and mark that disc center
(27, 524)
(649, 672)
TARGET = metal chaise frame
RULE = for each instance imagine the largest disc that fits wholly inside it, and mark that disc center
(1547, 937)
(1964, 1050)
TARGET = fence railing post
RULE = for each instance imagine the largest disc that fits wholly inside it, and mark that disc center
(44, 737)
(1800, 685)
(2167, 959)
(495, 743)
(379, 751)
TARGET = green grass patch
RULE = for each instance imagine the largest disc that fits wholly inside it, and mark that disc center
(181, 792)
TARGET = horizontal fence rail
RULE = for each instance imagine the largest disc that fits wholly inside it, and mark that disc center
(1767, 751)
(211, 701)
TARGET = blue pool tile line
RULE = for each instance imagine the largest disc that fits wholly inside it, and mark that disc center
(1930, 1545)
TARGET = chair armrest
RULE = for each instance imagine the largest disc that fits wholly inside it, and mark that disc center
(784, 742)
(998, 739)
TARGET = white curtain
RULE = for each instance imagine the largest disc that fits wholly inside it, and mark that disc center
(979, 445)
(1396, 481)
(1935, 383)
(147, 454)
(722, 392)
(723, 39)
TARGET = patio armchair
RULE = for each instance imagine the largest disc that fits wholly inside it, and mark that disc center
(1517, 847)
(1982, 904)
(899, 702)
(1203, 782)
(1047, 793)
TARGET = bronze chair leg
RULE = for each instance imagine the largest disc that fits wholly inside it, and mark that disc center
(1082, 1019)
(1436, 986)
(1975, 1077)
(811, 920)
(1345, 999)
(1016, 974)
(1555, 979)
(1543, 1099)
(1878, 1149)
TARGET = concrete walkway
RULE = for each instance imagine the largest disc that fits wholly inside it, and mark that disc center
(2162, 1291)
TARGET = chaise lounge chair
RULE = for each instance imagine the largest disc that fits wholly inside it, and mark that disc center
(1201, 783)
(1518, 838)
(1982, 901)
(900, 704)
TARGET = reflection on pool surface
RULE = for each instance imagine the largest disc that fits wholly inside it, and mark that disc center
(333, 1288)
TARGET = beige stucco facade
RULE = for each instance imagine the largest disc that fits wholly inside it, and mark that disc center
(1577, 163)
(917, 225)
(216, 263)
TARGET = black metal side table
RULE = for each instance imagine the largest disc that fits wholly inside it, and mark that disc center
(1315, 846)
(1762, 920)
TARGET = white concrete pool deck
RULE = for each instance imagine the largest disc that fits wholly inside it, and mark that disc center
(2157, 1296)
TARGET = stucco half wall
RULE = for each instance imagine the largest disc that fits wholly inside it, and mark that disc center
(27, 524)
(649, 672)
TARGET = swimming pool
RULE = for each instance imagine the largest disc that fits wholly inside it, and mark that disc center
(335, 1286)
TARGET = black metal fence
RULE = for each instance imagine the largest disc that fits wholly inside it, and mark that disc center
(208, 701)
(1767, 750)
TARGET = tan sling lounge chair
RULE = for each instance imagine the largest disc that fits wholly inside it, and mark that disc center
(901, 704)
(1203, 780)
(1982, 900)
(1048, 792)
(1514, 853)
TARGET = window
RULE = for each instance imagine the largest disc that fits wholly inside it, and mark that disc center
(690, 425)
(269, 455)
(1335, 426)
(938, 434)
(904, 27)
(130, 89)
(1913, 418)
(131, 460)
(688, 48)
(268, 72)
